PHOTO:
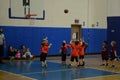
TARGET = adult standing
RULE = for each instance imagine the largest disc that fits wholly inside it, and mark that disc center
(2, 45)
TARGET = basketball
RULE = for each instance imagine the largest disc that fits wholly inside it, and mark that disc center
(66, 11)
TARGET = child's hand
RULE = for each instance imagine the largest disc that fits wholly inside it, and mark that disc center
(70, 41)
(50, 44)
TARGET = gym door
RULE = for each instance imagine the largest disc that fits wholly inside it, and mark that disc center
(76, 32)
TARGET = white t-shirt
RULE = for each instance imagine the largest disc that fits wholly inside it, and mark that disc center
(2, 38)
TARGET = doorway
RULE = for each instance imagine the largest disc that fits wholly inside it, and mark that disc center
(76, 32)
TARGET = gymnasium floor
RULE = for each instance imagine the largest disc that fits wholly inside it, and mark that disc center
(32, 70)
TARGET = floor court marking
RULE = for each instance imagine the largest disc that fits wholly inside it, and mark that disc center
(97, 76)
(66, 69)
(103, 69)
(60, 69)
(117, 73)
(97, 68)
(77, 69)
(48, 71)
(17, 75)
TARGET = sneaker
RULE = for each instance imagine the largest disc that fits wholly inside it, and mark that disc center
(83, 63)
(78, 65)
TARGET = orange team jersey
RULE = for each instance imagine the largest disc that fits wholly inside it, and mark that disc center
(82, 50)
(75, 50)
(44, 49)
(67, 45)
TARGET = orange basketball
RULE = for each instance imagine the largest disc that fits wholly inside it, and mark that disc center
(66, 11)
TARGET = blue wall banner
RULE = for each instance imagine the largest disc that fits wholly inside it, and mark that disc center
(32, 37)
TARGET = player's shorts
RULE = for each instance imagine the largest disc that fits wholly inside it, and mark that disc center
(105, 57)
(112, 57)
(43, 56)
(63, 56)
(81, 57)
(74, 57)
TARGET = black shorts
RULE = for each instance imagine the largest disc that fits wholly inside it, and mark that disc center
(43, 56)
(81, 57)
(63, 56)
(112, 56)
(74, 57)
(105, 57)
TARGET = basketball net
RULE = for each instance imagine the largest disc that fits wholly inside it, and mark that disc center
(31, 18)
(32, 21)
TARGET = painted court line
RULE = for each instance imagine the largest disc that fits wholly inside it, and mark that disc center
(103, 70)
(49, 71)
(96, 77)
(18, 75)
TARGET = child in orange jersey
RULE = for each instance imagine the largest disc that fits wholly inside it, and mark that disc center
(74, 52)
(44, 52)
(82, 49)
(63, 51)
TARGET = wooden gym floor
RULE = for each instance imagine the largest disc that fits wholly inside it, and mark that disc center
(32, 70)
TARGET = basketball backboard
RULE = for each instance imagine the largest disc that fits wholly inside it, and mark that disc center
(20, 8)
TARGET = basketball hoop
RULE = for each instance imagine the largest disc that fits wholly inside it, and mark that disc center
(28, 16)
(31, 20)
